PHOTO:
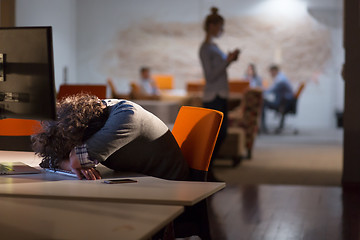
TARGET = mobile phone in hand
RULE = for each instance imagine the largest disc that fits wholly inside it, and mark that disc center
(118, 181)
(237, 52)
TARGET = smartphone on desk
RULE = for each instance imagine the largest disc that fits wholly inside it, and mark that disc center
(117, 181)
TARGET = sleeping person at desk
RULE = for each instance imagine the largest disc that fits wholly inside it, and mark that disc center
(116, 133)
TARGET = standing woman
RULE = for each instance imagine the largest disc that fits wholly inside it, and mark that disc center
(214, 63)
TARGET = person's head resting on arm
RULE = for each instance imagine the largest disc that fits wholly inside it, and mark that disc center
(78, 118)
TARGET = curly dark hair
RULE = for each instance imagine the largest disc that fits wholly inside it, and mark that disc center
(78, 118)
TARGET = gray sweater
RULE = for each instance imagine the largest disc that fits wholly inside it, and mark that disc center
(214, 65)
(135, 140)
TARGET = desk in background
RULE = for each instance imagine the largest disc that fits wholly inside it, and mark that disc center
(165, 110)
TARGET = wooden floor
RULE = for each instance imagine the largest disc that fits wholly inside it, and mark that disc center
(285, 212)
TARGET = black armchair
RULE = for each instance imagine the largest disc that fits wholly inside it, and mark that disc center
(289, 107)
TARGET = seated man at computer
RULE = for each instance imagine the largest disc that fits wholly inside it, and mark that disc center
(116, 133)
(278, 95)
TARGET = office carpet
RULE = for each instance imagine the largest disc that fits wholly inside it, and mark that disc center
(313, 157)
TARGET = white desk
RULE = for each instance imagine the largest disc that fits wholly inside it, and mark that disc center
(62, 199)
(148, 190)
(23, 218)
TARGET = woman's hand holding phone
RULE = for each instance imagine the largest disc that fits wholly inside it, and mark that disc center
(233, 56)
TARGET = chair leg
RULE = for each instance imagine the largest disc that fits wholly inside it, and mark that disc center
(236, 160)
(167, 233)
(204, 225)
(249, 154)
(282, 121)
(281, 125)
(194, 221)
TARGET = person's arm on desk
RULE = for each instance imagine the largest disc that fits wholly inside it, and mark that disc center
(82, 166)
(74, 164)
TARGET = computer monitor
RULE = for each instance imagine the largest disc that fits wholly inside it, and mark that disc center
(27, 89)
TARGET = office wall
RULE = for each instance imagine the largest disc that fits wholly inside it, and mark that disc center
(110, 38)
(61, 15)
(117, 37)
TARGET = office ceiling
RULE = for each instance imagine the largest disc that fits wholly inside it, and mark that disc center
(324, 3)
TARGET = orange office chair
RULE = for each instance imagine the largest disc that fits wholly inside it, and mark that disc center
(196, 131)
(71, 89)
(15, 133)
(164, 82)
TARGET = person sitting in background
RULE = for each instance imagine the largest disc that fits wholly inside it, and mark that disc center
(252, 76)
(119, 134)
(148, 85)
(146, 90)
(280, 91)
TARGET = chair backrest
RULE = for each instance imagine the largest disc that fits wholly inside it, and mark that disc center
(71, 89)
(15, 134)
(111, 84)
(195, 87)
(196, 131)
(163, 81)
(135, 90)
(235, 86)
(238, 86)
(19, 127)
(299, 91)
